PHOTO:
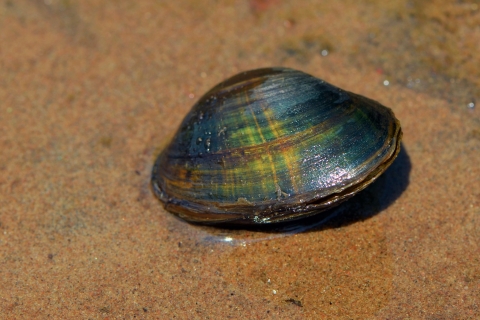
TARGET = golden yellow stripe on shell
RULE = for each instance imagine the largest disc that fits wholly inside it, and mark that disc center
(228, 180)
(179, 180)
(231, 174)
(272, 165)
(269, 115)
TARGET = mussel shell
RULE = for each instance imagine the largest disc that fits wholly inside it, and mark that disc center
(273, 145)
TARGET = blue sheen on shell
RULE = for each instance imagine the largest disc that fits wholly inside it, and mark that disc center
(273, 145)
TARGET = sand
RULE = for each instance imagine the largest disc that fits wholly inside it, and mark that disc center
(91, 91)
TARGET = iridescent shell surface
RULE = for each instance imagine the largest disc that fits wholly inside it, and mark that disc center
(273, 145)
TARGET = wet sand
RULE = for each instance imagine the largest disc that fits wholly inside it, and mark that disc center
(90, 93)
